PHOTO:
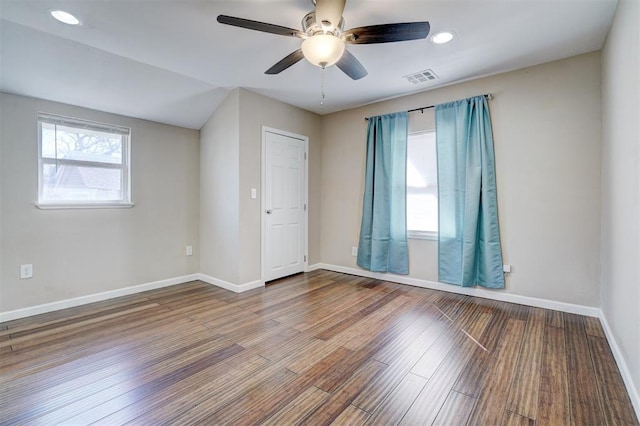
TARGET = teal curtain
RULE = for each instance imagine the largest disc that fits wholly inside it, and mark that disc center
(383, 232)
(469, 251)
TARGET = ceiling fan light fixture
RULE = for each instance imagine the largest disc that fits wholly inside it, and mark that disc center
(442, 37)
(64, 17)
(323, 50)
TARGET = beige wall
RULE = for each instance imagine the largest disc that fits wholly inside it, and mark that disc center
(257, 111)
(1, 198)
(219, 177)
(547, 130)
(621, 183)
(230, 165)
(77, 252)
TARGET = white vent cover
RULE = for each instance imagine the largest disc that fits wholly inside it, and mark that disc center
(421, 77)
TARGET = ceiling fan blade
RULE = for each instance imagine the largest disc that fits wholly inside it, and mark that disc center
(387, 33)
(259, 26)
(351, 66)
(286, 62)
(330, 10)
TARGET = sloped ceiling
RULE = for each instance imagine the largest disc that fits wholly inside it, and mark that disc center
(171, 62)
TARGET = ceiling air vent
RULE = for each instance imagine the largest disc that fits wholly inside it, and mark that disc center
(421, 77)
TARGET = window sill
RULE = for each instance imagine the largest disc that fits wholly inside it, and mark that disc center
(422, 235)
(59, 206)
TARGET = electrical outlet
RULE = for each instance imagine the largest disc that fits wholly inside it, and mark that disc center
(26, 271)
(506, 268)
(188, 250)
(354, 251)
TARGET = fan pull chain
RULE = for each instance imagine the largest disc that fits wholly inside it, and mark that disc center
(322, 96)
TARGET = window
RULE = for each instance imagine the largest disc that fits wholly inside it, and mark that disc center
(82, 164)
(422, 186)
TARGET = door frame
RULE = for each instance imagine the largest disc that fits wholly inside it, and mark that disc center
(263, 197)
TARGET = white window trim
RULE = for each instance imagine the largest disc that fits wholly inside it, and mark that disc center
(125, 166)
(422, 235)
(62, 206)
(413, 234)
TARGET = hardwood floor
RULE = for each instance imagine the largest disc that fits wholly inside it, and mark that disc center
(313, 349)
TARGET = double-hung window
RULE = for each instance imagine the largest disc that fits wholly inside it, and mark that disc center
(422, 186)
(82, 163)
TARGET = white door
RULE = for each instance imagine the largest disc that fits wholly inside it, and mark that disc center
(284, 206)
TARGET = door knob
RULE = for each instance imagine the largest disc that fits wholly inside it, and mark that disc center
(269, 211)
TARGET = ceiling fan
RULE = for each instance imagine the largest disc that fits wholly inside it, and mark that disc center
(324, 38)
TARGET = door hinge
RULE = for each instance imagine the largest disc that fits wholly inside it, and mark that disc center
(305, 207)
(305, 258)
(305, 155)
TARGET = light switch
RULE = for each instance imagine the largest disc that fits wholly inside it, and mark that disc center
(254, 193)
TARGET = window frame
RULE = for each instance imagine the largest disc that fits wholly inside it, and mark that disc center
(422, 235)
(414, 234)
(124, 167)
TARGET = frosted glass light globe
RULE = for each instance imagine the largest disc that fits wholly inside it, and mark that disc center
(323, 50)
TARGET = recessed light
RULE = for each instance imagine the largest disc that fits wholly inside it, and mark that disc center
(65, 17)
(442, 37)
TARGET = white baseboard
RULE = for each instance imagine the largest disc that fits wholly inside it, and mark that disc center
(111, 294)
(91, 298)
(314, 267)
(634, 395)
(468, 291)
(237, 288)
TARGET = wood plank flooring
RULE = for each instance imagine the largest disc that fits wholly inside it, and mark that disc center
(314, 349)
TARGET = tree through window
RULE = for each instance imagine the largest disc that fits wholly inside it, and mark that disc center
(82, 163)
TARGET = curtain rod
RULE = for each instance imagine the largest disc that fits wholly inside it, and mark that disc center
(421, 109)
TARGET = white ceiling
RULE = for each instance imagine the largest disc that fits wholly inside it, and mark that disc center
(172, 62)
